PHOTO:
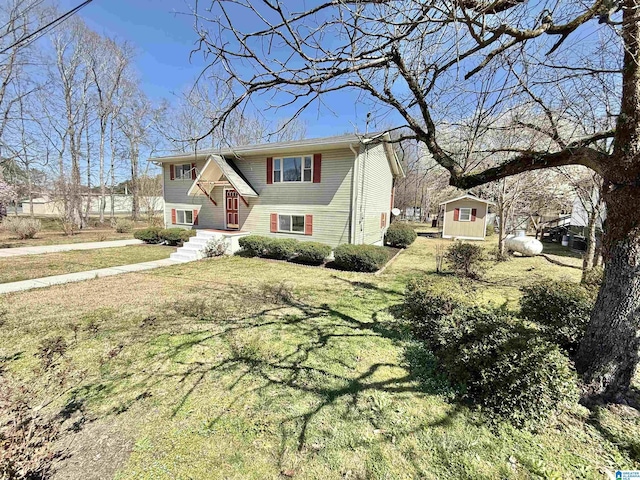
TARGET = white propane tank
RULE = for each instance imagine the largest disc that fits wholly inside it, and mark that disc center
(527, 246)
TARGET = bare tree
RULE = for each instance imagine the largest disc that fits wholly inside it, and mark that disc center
(517, 198)
(18, 18)
(587, 185)
(108, 62)
(135, 121)
(188, 127)
(423, 61)
(70, 80)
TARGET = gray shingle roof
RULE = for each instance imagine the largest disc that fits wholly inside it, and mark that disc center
(334, 141)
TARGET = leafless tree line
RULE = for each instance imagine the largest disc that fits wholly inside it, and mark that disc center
(75, 121)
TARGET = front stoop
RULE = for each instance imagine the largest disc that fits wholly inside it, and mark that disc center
(192, 250)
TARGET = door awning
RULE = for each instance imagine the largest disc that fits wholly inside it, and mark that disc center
(218, 171)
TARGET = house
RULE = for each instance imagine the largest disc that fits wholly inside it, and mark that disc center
(465, 217)
(332, 190)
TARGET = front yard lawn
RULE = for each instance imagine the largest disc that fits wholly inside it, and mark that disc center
(15, 269)
(240, 368)
(52, 234)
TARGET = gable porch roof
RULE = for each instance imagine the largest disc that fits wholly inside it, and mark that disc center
(215, 168)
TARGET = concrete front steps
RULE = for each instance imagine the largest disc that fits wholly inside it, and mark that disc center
(192, 250)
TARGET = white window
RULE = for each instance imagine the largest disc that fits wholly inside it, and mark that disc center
(291, 223)
(293, 169)
(465, 215)
(184, 217)
(182, 172)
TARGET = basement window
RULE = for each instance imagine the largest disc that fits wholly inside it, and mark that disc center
(184, 217)
(291, 223)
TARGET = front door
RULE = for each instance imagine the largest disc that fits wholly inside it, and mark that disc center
(231, 206)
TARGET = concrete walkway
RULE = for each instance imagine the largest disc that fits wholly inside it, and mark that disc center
(18, 251)
(80, 276)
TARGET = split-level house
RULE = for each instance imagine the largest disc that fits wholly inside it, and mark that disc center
(332, 190)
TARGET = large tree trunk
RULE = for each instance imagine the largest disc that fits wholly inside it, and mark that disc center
(608, 355)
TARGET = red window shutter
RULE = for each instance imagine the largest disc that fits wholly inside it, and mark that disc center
(317, 167)
(308, 224)
(172, 173)
(193, 171)
(274, 222)
(473, 214)
(195, 217)
(393, 197)
(173, 214)
(269, 170)
(456, 215)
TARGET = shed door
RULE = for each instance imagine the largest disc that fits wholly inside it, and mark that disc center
(231, 207)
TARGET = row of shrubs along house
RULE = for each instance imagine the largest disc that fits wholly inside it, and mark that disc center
(333, 190)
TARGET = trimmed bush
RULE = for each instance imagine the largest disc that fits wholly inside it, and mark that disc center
(148, 235)
(123, 225)
(282, 248)
(428, 303)
(360, 258)
(562, 309)
(22, 227)
(312, 253)
(254, 245)
(465, 259)
(185, 235)
(400, 235)
(172, 236)
(508, 369)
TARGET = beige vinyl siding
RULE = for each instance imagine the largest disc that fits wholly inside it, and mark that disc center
(175, 195)
(328, 201)
(374, 194)
(472, 230)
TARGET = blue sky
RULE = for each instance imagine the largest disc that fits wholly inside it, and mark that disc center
(164, 38)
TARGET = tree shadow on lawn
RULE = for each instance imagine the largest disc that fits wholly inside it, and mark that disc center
(314, 367)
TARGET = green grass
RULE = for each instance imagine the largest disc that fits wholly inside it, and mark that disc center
(196, 374)
(15, 269)
(426, 227)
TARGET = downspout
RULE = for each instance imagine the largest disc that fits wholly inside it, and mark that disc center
(354, 195)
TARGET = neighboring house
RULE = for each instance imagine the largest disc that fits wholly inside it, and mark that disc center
(580, 216)
(333, 190)
(465, 217)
